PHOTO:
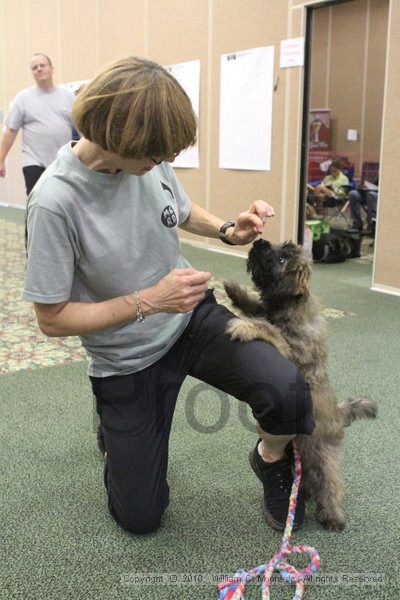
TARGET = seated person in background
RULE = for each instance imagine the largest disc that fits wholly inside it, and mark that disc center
(333, 188)
(369, 200)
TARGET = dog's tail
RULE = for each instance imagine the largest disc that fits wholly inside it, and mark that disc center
(357, 408)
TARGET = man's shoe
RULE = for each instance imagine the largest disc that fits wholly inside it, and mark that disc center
(277, 480)
(358, 226)
(370, 232)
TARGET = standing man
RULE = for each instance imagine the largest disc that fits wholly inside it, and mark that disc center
(44, 113)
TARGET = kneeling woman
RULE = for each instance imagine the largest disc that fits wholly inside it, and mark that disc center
(105, 263)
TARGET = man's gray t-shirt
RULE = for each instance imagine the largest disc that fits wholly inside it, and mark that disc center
(95, 236)
(45, 118)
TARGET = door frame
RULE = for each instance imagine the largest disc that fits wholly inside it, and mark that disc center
(309, 8)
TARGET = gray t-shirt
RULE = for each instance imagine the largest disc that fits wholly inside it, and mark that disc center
(45, 118)
(95, 236)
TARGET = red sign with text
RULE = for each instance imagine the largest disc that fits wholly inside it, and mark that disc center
(319, 138)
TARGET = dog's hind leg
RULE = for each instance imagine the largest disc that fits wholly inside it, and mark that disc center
(322, 480)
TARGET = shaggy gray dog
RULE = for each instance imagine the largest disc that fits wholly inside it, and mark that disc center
(284, 313)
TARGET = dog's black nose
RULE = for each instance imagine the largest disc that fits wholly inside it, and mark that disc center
(262, 242)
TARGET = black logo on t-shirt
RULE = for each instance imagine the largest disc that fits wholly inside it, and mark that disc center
(166, 188)
(168, 216)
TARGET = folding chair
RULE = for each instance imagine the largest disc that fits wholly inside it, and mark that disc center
(340, 207)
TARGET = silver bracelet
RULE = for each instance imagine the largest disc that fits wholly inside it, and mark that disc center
(139, 312)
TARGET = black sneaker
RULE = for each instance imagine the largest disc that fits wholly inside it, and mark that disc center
(277, 480)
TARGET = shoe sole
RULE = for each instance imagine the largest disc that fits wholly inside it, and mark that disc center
(272, 522)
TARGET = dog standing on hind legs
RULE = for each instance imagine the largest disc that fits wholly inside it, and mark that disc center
(284, 313)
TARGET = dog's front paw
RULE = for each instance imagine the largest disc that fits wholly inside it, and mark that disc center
(241, 330)
(232, 289)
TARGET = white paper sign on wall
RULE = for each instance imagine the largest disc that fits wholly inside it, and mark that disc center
(188, 75)
(352, 135)
(246, 109)
(292, 53)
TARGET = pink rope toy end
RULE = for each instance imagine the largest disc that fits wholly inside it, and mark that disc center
(234, 588)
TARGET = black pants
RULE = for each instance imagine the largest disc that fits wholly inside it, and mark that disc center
(136, 410)
(31, 174)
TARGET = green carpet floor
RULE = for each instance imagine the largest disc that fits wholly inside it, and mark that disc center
(57, 540)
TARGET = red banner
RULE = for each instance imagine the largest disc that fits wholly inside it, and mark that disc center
(320, 138)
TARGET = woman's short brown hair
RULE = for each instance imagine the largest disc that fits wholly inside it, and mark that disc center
(135, 108)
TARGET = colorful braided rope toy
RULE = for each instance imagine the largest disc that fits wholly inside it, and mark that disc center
(234, 588)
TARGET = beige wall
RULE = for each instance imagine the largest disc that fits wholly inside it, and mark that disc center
(347, 74)
(82, 35)
(386, 275)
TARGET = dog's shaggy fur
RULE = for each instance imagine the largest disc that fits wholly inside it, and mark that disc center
(284, 313)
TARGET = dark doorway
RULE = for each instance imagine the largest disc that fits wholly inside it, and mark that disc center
(344, 70)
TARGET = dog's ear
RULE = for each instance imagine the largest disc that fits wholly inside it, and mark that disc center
(296, 280)
(302, 275)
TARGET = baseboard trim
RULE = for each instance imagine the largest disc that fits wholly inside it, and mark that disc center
(386, 289)
(6, 205)
(206, 246)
